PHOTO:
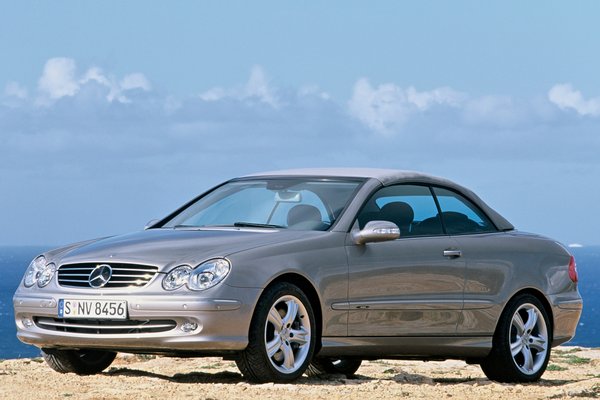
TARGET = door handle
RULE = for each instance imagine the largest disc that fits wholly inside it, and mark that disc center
(452, 253)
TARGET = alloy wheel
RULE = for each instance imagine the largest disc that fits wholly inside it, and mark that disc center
(287, 334)
(528, 339)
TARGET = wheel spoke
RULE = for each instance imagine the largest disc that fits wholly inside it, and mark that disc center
(528, 358)
(519, 324)
(532, 319)
(273, 346)
(275, 319)
(288, 356)
(292, 312)
(300, 336)
(516, 347)
(538, 343)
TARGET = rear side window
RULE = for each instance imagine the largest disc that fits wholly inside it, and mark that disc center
(460, 215)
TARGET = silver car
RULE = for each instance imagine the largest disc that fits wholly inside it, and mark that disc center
(310, 271)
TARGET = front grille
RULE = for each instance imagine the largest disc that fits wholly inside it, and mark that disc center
(104, 327)
(123, 275)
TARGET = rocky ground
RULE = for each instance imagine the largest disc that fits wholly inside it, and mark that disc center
(572, 373)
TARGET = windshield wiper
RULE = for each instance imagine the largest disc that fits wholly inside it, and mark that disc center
(256, 225)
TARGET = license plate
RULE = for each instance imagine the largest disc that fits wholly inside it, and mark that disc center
(92, 309)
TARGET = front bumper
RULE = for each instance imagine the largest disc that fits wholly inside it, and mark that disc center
(221, 324)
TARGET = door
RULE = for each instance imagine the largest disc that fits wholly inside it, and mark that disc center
(487, 255)
(409, 286)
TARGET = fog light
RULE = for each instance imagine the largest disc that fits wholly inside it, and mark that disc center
(27, 323)
(188, 326)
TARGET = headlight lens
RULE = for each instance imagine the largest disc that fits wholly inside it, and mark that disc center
(39, 271)
(177, 277)
(46, 275)
(204, 276)
(209, 274)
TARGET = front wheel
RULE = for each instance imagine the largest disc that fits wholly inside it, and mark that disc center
(81, 362)
(521, 344)
(282, 336)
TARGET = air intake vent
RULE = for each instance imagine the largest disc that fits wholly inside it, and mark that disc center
(104, 327)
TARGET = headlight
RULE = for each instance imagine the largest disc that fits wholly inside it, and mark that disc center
(209, 274)
(39, 271)
(204, 276)
(46, 274)
(177, 277)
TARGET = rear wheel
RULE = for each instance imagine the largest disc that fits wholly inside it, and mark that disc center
(521, 345)
(281, 340)
(323, 366)
(81, 362)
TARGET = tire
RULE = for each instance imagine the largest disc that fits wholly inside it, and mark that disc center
(524, 327)
(324, 366)
(282, 336)
(81, 362)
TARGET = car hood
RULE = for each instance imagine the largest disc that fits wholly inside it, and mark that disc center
(169, 247)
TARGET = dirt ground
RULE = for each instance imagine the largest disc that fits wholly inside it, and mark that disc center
(572, 373)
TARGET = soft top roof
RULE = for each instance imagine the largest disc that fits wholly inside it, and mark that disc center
(391, 176)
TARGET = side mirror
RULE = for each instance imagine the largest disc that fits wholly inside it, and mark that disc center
(376, 231)
(151, 223)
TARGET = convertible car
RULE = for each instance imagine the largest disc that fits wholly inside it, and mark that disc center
(309, 271)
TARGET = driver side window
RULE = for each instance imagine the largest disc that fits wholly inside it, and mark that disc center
(411, 207)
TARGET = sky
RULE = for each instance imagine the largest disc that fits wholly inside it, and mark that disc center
(114, 113)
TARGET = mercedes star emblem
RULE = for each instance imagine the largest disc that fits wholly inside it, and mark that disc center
(100, 276)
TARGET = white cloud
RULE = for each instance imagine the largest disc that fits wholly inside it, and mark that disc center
(257, 88)
(135, 81)
(165, 139)
(492, 110)
(58, 78)
(215, 94)
(443, 95)
(13, 89)
(565, 97)
(313, 90)
(380, 109)
(386, 108)
(96, 75)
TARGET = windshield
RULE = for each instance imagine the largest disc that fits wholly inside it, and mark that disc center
(293, 203)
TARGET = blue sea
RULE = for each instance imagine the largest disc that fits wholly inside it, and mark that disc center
(14, 261)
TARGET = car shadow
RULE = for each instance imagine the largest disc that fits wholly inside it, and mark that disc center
(190, 377)
(409, 378)
(479, 381)
(228, 377)
(556, 382)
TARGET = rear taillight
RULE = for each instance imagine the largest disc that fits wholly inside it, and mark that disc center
(573, 270)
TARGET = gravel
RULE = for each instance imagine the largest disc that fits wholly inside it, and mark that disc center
(573, 373)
